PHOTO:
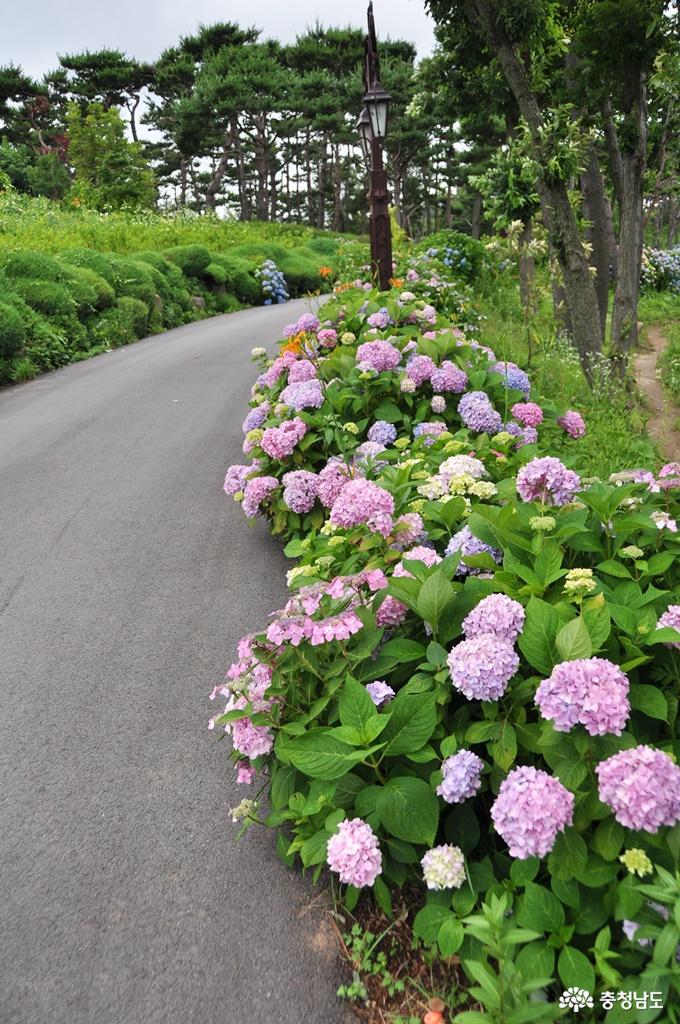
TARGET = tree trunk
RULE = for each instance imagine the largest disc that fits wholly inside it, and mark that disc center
(615, 162)
(633, 159)
(527, 267)
(476, 225)
(558, 215)
(182, 181)
(216, 179)
(611, 240)
(594, 209)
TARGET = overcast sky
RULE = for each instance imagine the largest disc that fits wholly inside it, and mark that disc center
(33, 33)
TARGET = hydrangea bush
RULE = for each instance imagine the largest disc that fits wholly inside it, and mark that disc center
(474, 684)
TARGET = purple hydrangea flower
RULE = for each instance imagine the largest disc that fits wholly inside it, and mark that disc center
(256, 417)
(529, 811)
(382, 432)
(513, 377)
(361, 501)
(548, 481)
(420, 369)
(468, 545)
(408, 529)
(443, 867)
(449, 377)
(304, 394)
(573, 423)
(670, 619)
(497, 614)
(307, 323)
(642, 787)
(380, 320)
(525, 435)
(592, 692)
(378, 355)
(354, 853)
(251, 740)
(301, 370)
(379, 692)
(460, 777)
(300, 490)
(429, 430)
(235, 480)
(478, 414)
(481, 668)
(528, 413)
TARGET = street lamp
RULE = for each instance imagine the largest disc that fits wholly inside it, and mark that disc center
(365, 136)
(378, 105)
(372, 126)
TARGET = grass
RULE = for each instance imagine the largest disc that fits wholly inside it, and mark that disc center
(616, 438)
(663, 310)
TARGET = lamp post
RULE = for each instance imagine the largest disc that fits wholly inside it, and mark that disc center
(372, 127)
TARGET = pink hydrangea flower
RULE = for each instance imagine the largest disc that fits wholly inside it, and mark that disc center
(573, 424)
(671, 620)
(482, 667)
(419, 369)
(354, 853)
(245, 773)
(280, 442)
(548, 481)
(301, 370)
(332, 479)
(527, 413)
(256, 491)
(497, 614)
(327, 337)
(530, 810)
(235, 480)
(363, 502)
(251, 740)
(642, 787)
(407, 530)
(592, 692)
(378, 355)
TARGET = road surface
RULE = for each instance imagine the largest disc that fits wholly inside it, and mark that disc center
(126, 578)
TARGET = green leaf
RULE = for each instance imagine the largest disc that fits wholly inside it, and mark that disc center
(650, 701)
(612, 568)
(573, 640)
(388, 411)
(355, 705)
(450, 937)
(597, 872)
(313, 850)
(548, 564)
(523, 871)
(435, 595)
(404, 650)
(536, 960)
(666, 944)
(504, 749)
(321, 756)
(575, 969)
(540, 910)
(409, 810)
(625, 618)
(428, 922)
(382, 896)
(413, 717)
(608, 838)
(480, 732)
(537, 639)
(569, 855)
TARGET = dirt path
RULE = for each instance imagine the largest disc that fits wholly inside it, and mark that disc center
(664, 415)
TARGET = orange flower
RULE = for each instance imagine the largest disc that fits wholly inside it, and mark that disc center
(325, 271)
(295, 344)
(397, 282)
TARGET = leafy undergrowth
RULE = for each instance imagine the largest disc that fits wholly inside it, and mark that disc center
(393, 978)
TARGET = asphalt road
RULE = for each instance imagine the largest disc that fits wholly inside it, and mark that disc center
(126, 578)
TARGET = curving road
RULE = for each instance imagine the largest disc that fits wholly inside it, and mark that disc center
(126, 577)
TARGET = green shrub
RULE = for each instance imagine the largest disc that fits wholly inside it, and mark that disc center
(13, 331)
(47, 297)
(124, 323)
(102, 264)
(22, 370)
(26, 263)
(192, 260)
(89, 289)
(137, 280)
(237, 275)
